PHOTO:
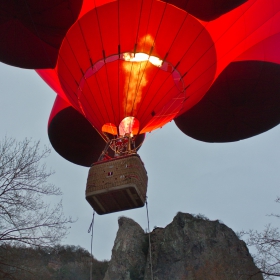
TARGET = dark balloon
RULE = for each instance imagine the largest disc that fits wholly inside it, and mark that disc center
(244, 101)
(74, 138)
(206, 9)
(31, 31)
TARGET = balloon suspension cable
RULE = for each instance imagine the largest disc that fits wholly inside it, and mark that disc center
(149, 235)
(121, 146)
(140, 145)
(104, 152)
(90, 229)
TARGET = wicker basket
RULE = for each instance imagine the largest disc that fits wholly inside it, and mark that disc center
(117, 184)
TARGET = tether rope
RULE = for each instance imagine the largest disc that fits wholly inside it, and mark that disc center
(90, 229)
(150, 247)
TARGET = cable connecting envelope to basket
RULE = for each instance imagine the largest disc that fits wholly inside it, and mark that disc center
(90, 229)
(150, 247)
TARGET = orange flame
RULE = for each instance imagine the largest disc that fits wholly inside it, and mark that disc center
(135, 81)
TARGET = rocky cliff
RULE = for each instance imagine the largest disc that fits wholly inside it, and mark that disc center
(189, 248)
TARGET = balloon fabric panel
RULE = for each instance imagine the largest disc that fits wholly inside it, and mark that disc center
(266, 50)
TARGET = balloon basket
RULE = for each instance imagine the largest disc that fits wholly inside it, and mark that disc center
(117, 184)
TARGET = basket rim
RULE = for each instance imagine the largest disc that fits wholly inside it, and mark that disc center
(114, 159)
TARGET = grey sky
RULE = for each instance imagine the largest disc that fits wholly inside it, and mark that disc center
(236, 183)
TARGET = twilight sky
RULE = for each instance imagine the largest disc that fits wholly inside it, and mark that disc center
(236, 183)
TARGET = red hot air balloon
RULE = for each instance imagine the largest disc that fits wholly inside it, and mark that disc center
(125, 68)
(125, 61)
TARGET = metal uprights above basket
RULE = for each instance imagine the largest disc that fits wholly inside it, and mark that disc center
(121, 146)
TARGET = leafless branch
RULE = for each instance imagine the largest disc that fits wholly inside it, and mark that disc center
(25, 217)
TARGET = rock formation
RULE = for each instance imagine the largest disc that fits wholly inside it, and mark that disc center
(189, 248)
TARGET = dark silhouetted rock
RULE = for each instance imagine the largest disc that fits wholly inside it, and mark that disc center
(190, 248)
(128, 255)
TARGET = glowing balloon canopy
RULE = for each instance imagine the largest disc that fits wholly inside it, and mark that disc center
(124, 67)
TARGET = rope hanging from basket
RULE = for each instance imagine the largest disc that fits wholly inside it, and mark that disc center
(90, 229)
(149, 235)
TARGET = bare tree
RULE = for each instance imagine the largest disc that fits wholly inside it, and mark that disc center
(267, 246)
(25, 218)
